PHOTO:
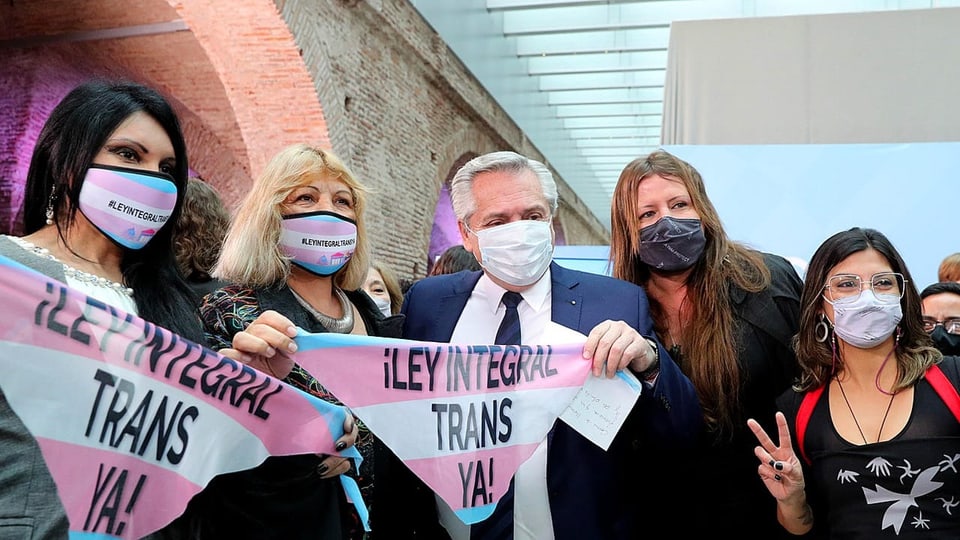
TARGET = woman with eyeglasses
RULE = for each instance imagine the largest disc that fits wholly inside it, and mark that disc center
(868, 445)
(941, 315)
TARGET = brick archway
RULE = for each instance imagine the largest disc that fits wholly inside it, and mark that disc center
(232, 69)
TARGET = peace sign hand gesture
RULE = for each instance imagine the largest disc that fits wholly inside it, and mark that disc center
(782, 473)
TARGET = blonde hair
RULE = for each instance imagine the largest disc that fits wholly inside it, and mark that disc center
(392, 284)
(251, 254)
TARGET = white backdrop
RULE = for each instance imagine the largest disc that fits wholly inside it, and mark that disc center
(787, 199)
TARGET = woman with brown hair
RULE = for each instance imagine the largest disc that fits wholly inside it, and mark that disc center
(874, 414)
(727, 314)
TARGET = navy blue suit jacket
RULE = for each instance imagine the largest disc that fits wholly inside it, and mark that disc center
(588, 495)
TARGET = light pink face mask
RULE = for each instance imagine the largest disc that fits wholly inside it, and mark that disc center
(128, 206)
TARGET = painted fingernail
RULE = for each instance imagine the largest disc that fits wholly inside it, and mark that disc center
(771, 462)
(292, 331)
(321, 468)
(292, 347)
(270, 352)
(777, 477)
(778, 466)
(340, 446)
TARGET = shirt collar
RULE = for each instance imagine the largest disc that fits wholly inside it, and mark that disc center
(535, 295)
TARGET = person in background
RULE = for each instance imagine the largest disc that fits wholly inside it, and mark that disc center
(949, 269)
(454, 259)
(570, 488)
(873, 442)
(382, 285)
(941, 315)
(727, 314)
(198, 235)
(284, 274)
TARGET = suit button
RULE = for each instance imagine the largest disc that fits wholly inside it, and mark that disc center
(665, 402)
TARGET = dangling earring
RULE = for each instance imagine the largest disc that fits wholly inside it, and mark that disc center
(896, 337)
(50, 204)
(833, 356)
(821, 331)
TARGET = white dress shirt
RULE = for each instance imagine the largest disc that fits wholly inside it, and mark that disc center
(478, 324)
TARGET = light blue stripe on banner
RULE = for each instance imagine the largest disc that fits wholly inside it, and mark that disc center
(352, 490)
(80, 535)
(632, 382)
(307, 341)
(476, 514)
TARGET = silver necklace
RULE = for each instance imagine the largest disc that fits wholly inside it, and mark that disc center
(857, 422)
(73, 273)
(343, 325)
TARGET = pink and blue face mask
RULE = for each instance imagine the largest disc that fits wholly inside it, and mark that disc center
(319, 242)
(129, 206)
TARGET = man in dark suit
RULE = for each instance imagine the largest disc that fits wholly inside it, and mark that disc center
(570, 488)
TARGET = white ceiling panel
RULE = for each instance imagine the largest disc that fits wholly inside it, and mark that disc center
(584, 78)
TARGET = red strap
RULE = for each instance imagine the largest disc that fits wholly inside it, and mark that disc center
(944, 389)
(810, 400)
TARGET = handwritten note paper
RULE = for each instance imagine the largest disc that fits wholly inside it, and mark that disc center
(602, 406)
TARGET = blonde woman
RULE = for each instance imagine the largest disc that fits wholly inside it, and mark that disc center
(296, 254)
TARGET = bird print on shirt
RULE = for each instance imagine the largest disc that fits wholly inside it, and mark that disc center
(902, 502)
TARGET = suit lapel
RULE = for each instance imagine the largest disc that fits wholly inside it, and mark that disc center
(452, 302)
(567, 303)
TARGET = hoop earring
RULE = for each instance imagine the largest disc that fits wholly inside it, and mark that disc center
(51, 202)
(821, 331)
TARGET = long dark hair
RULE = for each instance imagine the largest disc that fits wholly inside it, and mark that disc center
(74, 133)
(914, 348)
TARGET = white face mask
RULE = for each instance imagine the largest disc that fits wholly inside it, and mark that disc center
(866, 321)
(382, 304)
(516, 253)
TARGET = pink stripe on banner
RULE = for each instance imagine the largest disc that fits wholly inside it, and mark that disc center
(132, 188)
(103, 492)
(473, 479)
(72, 323)
(421, 370)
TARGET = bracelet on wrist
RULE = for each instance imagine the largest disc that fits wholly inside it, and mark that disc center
(654, 368)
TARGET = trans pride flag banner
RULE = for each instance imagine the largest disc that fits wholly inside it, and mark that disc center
(133, 420)
(463, 418)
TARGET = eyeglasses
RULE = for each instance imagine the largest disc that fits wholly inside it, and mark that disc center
(887, 286)
(951, 325)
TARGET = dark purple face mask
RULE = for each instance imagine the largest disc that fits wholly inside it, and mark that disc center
(670, 245)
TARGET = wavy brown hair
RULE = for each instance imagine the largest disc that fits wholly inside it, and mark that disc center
(915, 351)
(453, 260)
(710, 348)
(200, 231)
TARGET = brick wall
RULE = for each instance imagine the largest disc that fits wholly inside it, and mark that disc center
(401, 110)
(249, 77)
